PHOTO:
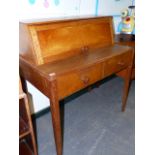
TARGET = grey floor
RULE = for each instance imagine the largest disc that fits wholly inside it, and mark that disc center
(93, 123)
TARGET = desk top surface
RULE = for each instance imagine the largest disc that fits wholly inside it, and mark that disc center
(83, 60)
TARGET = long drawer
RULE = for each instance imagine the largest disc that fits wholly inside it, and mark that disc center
(117, 63)
(78, 79)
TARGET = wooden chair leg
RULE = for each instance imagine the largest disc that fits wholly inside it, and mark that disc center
(31, 126)
(55, 113)
(34, 144)
(127, 79)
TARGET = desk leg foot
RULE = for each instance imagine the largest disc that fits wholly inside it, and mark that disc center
(127, 80)
(55, 113)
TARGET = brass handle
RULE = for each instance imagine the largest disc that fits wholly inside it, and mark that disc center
(85, 80)
(121, 63)
(84, 49)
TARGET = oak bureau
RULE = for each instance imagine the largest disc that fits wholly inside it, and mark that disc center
(61, 57)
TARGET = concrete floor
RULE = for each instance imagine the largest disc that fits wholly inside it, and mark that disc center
(93, 123)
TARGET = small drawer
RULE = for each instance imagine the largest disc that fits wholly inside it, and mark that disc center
(78, 79)
(117, 63)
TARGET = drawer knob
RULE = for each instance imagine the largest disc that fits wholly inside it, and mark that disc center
(84, 49)
(121, 63)
(85, 80)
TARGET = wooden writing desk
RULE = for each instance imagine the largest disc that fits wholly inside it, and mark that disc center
(63, 57)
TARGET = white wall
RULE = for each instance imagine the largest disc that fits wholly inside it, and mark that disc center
(36, 9)
(113, 7)
(38, 101)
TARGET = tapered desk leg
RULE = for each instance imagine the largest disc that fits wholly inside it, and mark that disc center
(127, 79)
(55, 112)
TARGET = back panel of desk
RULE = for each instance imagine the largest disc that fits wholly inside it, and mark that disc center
(51, 41)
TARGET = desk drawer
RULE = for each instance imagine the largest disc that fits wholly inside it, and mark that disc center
(117, 63)
(76, 80)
